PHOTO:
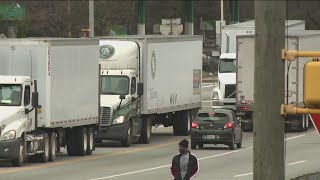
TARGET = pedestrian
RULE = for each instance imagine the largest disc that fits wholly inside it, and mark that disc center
(185, 165)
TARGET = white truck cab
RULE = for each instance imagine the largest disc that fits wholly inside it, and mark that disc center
(225, 93)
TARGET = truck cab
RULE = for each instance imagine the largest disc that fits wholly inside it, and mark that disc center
(225, 93)
(120, 119)
(17, 114)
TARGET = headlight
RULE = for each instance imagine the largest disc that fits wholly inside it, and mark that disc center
(118, 120)
(9, 135)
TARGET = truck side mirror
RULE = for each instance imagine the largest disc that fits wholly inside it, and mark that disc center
(140, 89)
(35, 99)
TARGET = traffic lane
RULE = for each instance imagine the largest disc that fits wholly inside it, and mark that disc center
(213, 164)
(102, 166)
(300, 148)
(109, 166)
(303, 160)
(160, 171)
(206, 94)
(160, 137)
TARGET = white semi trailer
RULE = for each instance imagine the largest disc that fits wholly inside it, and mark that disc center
(49, 98)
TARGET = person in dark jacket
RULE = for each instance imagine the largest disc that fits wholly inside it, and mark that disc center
(185, 165)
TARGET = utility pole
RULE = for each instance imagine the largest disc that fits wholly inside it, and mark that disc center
(91, 18)
(189, 17)
(269, 81)
(141, 18)
(221, 10)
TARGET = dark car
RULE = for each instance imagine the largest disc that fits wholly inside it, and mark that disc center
(218, 126)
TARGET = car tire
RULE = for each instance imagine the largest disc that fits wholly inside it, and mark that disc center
(200, 145)
(232, 144)
(239, 145)
(193, 145)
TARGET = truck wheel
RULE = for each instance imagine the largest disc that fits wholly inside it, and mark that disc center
(71, 141)
(127, 142)
(182, 123)
(98, 140)
(145, 131)
(90, 141)
(53, 147)
(44, 157)
(81, 141)
(18, 162)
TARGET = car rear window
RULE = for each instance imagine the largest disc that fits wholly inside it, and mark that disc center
(211, 116)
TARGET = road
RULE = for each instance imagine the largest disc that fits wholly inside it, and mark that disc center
(152, 161)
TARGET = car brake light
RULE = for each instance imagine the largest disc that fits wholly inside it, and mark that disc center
(244, 108)
(228, 125)
(195, 125)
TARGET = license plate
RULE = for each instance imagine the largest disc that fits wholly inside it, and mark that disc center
(240, 113)
(212, 137)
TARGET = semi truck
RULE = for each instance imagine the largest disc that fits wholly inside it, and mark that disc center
(225, 93)
(148, 81)
(306, 40)
(49, 98)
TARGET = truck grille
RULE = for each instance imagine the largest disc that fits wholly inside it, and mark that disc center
(230, 91)
(105, 116)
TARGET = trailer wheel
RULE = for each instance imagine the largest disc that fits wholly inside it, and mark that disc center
(182, 123)
(127, 141)
(53, 147)
(44, 157)
(18, 162)
(145, 131)
(81, 141)
(90, 141)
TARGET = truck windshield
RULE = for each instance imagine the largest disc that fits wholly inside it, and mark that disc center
(10, 94)
(227, 66)
(115, 85)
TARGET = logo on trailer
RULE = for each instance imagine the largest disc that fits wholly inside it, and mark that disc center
(153, 64)
(106, 51)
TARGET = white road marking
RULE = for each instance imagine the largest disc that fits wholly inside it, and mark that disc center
(298, 162)
(246, 174)
(294, 137)
(251, 173)
(204, 158)
(206, 101)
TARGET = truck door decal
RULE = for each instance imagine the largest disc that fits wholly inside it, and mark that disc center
(153, 64)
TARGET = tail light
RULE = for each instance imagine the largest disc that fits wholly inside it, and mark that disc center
(228, 125)
(195, 125)
(244, 108)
